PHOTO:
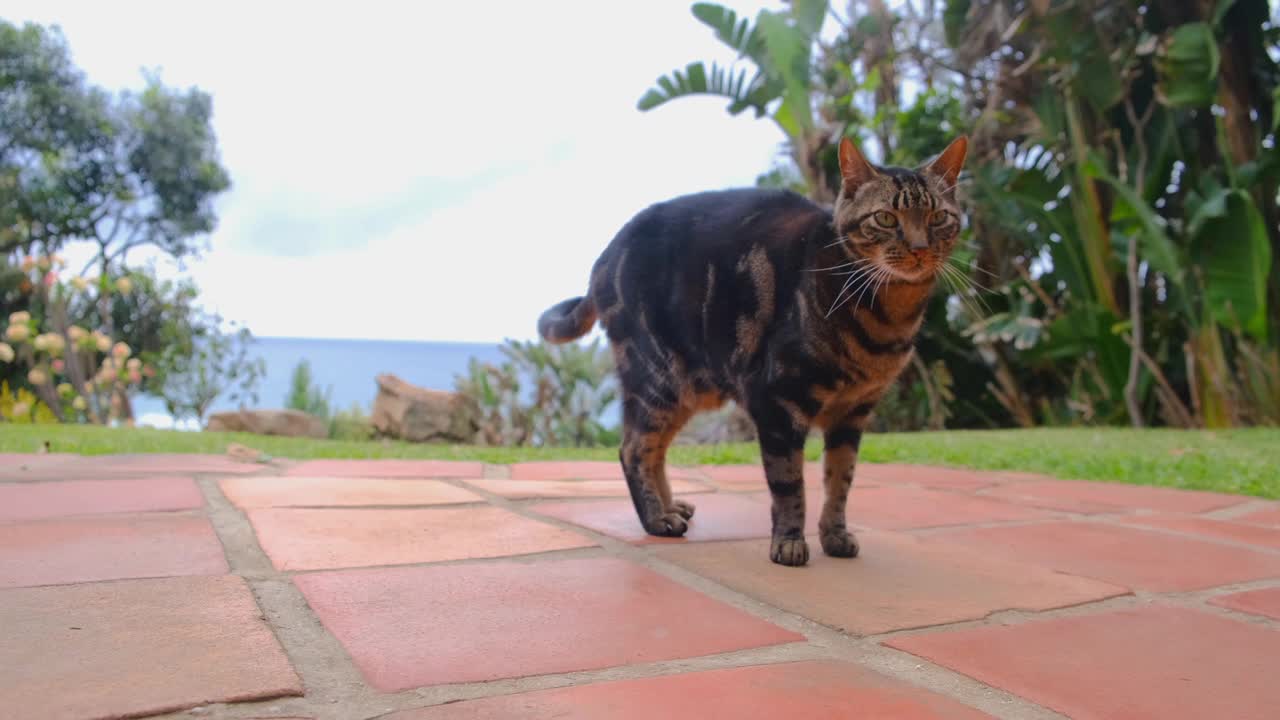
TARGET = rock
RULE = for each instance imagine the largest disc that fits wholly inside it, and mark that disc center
(290, 423)
(408, 412)
(729, 424)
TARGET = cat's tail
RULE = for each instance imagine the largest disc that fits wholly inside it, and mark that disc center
(568, 320)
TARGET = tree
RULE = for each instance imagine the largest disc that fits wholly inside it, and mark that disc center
(82, 166)
(304, 395)
(190, 380)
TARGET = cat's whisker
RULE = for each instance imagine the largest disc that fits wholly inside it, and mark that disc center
(957, 267)
(859, 261)
(963, 287)
(857, 275)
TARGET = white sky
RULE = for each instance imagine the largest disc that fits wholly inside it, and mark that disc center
(425, 171)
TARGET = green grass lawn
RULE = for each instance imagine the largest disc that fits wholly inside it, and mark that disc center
(1236, 461)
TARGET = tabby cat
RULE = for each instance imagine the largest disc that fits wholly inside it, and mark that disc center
(801, 315)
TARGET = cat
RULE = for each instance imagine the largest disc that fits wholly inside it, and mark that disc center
(802, 316)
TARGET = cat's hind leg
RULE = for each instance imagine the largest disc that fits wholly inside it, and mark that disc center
(647, 432)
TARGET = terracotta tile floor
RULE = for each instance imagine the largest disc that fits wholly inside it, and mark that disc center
(362, 589)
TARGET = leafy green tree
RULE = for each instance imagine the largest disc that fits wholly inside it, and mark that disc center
(82, 166)
(305, 395)
(216, 363)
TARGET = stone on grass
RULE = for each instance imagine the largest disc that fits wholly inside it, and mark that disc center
(289, 423)
(408, 412)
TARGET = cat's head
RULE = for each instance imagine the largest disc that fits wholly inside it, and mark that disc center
(903, 221)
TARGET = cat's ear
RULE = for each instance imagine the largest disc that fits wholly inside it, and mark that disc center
(947, 166)
(854, 168)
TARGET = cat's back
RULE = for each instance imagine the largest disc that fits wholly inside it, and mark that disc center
(715, 223)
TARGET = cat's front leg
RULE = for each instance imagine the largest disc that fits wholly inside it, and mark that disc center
(782, 450)
(838, 461)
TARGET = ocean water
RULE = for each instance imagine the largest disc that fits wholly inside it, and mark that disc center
(346, 367)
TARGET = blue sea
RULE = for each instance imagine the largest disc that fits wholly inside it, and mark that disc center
(346, 367)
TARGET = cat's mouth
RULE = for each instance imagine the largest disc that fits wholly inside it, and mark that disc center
(913, 268)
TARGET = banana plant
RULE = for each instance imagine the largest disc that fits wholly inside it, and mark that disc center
(778, 48)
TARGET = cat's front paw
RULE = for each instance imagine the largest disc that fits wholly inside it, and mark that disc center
(839, 542)
(788, 551)
(682, 508)
(670, 524)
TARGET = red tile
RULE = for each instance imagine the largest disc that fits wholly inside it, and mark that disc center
(31, 501)
(388, 468)
(1010, 494)
(319, 539)
(897, 582)
(750, 478)
(167, 463)
(1219, 529)
(340, 492)
(592, 470)
(53, 552)
(20, 466)
(812, 689)
(900, 508)
(134, 648)
(928, 476)
(718, 517)
(1258, 602)
(1139, 559)
(1146, 662)
(409, 627)
(1073, 495)
(522, 489)
(1269, 517)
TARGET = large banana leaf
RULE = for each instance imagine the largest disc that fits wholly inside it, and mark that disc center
(1230, 244)
(1188, 66)
(731, 30)
(788, 48)
(1158, 249)
(696, 79)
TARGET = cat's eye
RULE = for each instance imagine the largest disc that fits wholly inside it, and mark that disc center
(886, 219)
(938, 218)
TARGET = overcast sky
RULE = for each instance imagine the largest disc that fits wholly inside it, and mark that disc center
(423, 171)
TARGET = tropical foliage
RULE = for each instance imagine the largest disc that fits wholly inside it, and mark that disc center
(1122, 234)
(541, 395)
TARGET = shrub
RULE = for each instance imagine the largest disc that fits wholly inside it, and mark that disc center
(542, 395)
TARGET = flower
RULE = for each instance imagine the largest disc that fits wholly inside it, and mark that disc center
(102, 342)
(28, 263)
(121, 350)
(65, 389)
(59, 366)
(76, 333)
(50, 278)
(124, 285)
(17, 333)
(79, 403)
(80, 283)
(41, 343)
(6, 352)
(133, 364)
(107, 376)
(88, 386)
(44, 262)
(22, 317)
(37, 376)
(21, 409)
(58, 261)
(148, 371)
(135, 377)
